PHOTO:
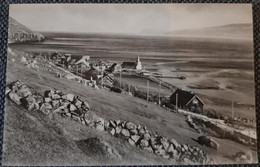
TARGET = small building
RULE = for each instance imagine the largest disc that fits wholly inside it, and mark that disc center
(133, 65)
(83, 63)
(187, 100)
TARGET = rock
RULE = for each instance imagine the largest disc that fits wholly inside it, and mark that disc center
(148, 149)
(106, 125)
(112, 124)
(78, 103)
(61, 109)
(117, 122)
(139, 127)
(144, 143)
(7, 90)
(185, 147)
(170, 149)
(125, 133)
(72, 107)
(47, 99)
(165, 143)
(29, 103)
(118, 130)
(147, 136)
(187, 161)
(175, 143)
(46, 108)
(89, 117)
(123, 124)
(160, 152)
(131, 142)
(243, 157)
(135, 138)
(48, 93)
(55, 103)
(85, 106)
(130, 126)
(112, 131)
(133, 132)
(24, 91)
(99, 123)
(15, 98)
(166, 156)
(70, 97)
(207, 141)
(55, 96)
(141, 131)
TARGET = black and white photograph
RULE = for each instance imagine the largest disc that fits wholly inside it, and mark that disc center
(129, 84)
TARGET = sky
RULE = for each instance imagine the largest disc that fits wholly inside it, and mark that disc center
(128, 18)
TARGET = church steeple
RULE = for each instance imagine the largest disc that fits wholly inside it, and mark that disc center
(138, 63)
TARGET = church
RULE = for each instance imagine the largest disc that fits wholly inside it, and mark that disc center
(133, 65)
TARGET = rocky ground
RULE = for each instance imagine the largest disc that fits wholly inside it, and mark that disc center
(66, 123)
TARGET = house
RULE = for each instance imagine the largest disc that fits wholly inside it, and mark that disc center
(83, 63)
(133, 65)
(187, 100)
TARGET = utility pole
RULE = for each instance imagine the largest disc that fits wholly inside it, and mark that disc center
(232, 109)
(120, 75)
(176, 101)
(129, 89)
(159, 102)
(101, 76)
(148, 85)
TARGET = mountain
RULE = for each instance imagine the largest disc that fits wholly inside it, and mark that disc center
(225, 31)
(20, 33)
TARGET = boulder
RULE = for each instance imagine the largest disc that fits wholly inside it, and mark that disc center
(135, 138)
(15, 98)
(112, 131)
(132, 142)
(185, 147)
(175, 143)
(78, 103)
(69, 97)
(55, 96)
(48, 93)
(147, 136)
(148, 149)
(130, 126)
(133, 132)
(72, 108)
(118, 130)
(47, 99)
(165, 143)
(85, 106)
(106, 125)
(61, 109)
(46, 108)
(24, 91)
(112, 124)
(125, 133)
(7, 90)
(144, 143)
(99, 123)
(141, 131)
(160, 152)
(207, 141)
(55, 103)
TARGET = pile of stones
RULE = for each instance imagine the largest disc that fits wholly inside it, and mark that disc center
(141, 137)
(52, 101)
(23, 95)
(70, 105)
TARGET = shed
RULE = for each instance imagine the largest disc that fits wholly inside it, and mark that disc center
(187, 100)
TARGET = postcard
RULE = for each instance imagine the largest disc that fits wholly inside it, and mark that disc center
(130, 84)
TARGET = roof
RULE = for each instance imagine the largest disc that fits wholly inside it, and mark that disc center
(128, 64)
(184, 97)
(83, 60)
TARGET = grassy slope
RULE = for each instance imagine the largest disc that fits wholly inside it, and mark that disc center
(28, 132)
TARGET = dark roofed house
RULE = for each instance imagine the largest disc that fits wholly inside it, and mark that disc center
(129, 65)
(187, 100)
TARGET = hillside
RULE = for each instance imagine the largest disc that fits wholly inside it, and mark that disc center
(20, 33)
(33, 138)
(225, 31)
